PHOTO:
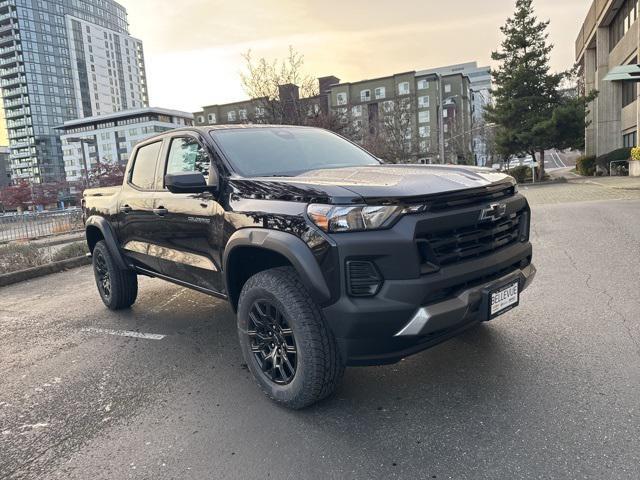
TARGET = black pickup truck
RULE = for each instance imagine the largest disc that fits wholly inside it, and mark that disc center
(328, 256)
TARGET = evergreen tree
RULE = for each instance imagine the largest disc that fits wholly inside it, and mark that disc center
(527, 93)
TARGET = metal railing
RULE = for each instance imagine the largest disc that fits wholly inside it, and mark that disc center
(28, 226)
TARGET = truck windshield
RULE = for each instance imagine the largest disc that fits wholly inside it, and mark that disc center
(286, 151)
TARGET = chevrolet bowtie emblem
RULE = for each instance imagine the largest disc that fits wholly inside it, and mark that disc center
(493, 212)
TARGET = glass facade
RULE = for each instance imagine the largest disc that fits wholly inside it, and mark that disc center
(36, 75)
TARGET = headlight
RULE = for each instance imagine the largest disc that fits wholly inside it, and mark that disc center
(339, 218)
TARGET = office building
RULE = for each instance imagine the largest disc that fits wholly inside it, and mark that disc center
(606, 51)
(110, 138)
(61, 60)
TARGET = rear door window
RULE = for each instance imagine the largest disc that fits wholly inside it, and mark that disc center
(144, 166)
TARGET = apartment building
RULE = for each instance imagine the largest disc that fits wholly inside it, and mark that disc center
(110, 138)
(607, 51)
(480, 84)
(61, 60)
(431, 112)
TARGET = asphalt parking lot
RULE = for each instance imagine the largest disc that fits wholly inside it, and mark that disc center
(550, 390)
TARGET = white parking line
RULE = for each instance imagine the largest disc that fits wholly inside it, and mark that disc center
(125, 333)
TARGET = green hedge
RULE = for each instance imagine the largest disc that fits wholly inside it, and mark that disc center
(586, 166)
(522, 174)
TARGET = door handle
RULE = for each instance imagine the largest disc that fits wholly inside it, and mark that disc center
(125, 209)
(160, 211)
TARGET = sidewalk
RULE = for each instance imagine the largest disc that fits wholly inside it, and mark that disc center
(583, 189)
(620, 183)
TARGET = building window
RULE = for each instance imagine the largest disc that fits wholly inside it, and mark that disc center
(231, 116)
(212, 118)
(243, 114)
(630, 140)
(387, 106)
(423, 102)
(403, 88)
(626, 16)
(629, 93)
(424, 117)
(380, 92)
(200, 119)
(341, 98)
(447, 88)
(259, 112)
(423, 84)
(356, 111)
(365, 95)
(424, 132)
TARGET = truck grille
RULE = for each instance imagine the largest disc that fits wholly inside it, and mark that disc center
(452, 246)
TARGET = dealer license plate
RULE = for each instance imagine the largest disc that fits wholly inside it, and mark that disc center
(503, 299)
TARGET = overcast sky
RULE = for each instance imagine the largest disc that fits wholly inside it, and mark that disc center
(193, 47)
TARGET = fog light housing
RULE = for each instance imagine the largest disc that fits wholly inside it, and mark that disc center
(363, 278)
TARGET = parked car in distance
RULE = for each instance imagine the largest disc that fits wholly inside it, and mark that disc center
(328, 257)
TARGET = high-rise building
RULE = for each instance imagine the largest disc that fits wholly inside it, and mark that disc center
(61, 60)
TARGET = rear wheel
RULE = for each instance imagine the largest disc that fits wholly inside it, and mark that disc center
(288, 348)
(118, 288)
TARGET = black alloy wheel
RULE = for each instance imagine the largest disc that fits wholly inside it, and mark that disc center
(273, 344)
(102, 275)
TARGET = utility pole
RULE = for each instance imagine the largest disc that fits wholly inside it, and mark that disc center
(440, 119)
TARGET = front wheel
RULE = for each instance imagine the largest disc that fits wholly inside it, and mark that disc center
(288, 348)
(118, 288)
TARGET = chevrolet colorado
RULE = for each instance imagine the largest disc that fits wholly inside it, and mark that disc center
(328, 257)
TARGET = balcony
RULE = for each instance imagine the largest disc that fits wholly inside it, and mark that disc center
(7, 72)
(23, 133)
(9, 39)
(11, 82)
(14, 59)
(8, 93)
(18, 112)
(12, 49)
(8, 16)
(16, 102)
(16, 145)
(7, 3)
(20, 155)
(8, 27)
(17, 123)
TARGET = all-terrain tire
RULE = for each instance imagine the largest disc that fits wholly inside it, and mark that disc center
(120, 290)
(319, 366)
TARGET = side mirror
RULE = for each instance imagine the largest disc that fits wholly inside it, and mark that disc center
(190, 182)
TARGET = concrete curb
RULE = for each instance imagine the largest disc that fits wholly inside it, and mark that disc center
(42, 270)
(615, 187)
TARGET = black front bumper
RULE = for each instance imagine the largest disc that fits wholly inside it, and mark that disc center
(379, 330)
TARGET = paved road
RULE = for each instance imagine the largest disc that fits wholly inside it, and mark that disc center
(550, 390)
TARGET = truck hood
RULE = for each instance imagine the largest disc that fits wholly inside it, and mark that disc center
(402, 182)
